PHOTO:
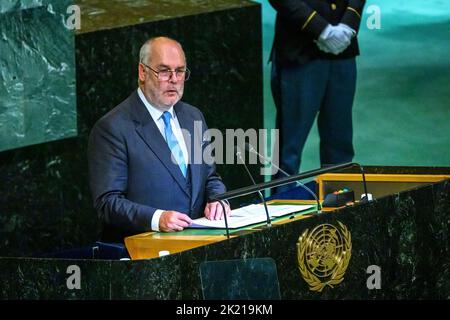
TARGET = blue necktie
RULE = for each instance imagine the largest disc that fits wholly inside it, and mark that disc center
(172, 142)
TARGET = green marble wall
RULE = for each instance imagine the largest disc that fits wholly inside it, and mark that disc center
(405, 234)
(46, 203)
(37, 79)
(11, 5)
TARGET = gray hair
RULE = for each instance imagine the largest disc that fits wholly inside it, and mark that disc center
(146, 49)
(144, 53)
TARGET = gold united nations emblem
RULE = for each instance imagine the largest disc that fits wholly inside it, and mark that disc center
(323, 255)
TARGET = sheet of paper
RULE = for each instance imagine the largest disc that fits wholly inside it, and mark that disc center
(248, 215)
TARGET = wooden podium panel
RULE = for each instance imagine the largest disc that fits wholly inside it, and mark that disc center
(148, 245)
(379, 185)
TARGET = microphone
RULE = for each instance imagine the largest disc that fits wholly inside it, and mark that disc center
(366, 197)
(282, 181)
(250, 148)
(239, 155)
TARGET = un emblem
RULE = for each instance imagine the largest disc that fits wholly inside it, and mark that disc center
(323, 255)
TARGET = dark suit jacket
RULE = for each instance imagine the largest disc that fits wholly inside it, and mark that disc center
(300, 22)
(131, 173)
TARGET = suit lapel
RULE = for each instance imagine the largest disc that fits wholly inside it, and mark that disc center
(149, 132)
(193, 142)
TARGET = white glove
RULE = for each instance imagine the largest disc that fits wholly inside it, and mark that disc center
(322, 47)
(335, 39)
(347, 29)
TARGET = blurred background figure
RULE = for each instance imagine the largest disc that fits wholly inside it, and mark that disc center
(314, 73)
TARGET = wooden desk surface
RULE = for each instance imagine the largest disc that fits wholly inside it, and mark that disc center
(148, 245)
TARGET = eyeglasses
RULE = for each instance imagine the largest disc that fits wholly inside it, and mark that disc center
(166, 74)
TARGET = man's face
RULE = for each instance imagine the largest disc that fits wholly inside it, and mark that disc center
(165, 55)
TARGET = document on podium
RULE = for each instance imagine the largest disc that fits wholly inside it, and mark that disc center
(251, 214)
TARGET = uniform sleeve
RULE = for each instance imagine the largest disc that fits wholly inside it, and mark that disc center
(353, 14)
(300, 15)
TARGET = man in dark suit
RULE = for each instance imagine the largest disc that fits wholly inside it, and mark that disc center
(314, 72)
(139, 153)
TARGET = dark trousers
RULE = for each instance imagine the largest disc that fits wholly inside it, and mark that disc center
(323, 87)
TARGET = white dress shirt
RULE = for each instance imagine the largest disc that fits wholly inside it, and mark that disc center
(156, 114)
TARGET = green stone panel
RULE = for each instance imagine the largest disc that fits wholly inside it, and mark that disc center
(11, 5)
(37, 78)
(101, 15)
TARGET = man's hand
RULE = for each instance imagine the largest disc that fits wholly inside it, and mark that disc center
(335, 39)
(214, 211)
(173, 221)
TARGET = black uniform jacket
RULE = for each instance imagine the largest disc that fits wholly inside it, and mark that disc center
(300, 22)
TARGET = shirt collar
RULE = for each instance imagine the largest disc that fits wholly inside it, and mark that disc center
(155, 112)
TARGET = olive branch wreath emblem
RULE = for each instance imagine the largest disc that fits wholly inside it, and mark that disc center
(340, 260)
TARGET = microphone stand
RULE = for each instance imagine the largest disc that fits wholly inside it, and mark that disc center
(366, 196)
(238, 154)
(225, 218)
(250, 148)
(283, 181)
(279, 182)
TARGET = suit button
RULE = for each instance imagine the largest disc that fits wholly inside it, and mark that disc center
(333, 6)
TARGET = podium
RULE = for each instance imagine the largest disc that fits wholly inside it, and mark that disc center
(397, 242)
(395, 247)
(400, 238)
